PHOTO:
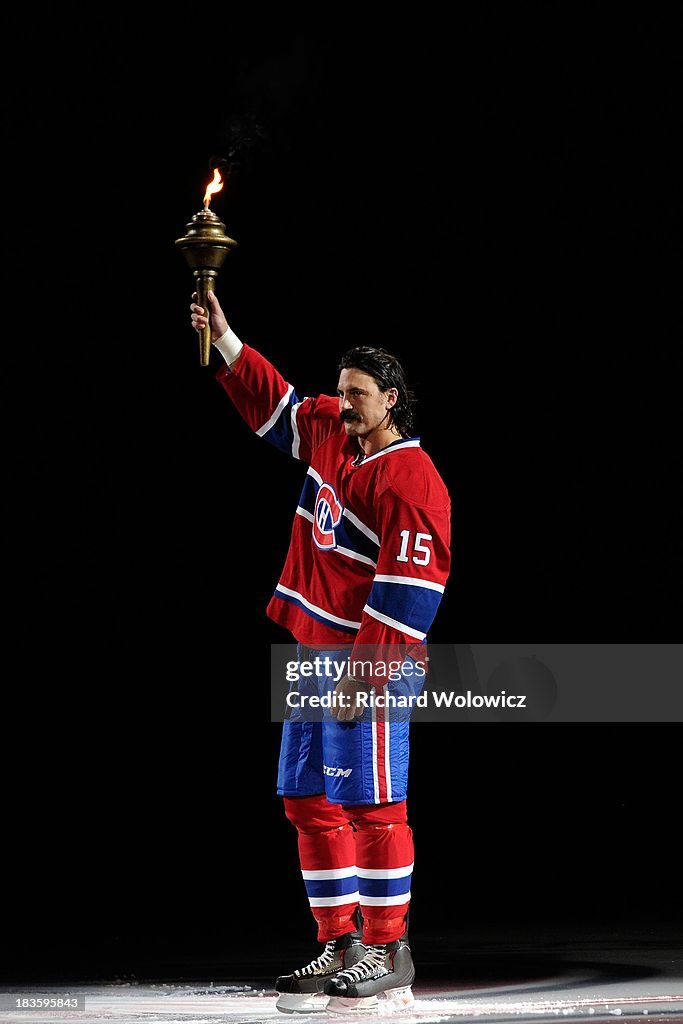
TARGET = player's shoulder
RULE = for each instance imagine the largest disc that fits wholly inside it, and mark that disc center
(411, 473)
(321, 405)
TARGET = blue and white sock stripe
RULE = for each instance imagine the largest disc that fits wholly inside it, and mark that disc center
(404, 602)
(385, 888)
(280, 428)
(332, 888)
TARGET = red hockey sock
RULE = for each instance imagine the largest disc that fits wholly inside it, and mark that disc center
(327, 856)
(384, 855)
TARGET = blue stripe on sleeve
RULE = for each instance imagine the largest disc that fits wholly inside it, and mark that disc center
(414, 606)
(281, 434)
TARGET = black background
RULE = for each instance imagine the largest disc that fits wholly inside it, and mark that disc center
(494, 202)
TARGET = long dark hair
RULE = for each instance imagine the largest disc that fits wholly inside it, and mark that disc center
(387, 372)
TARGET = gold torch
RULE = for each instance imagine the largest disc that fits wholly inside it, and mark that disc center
(205, 245)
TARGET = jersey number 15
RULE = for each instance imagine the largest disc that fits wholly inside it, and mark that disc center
(418, 546)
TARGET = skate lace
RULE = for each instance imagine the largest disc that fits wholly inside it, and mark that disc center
(321, 963)
(371, 966)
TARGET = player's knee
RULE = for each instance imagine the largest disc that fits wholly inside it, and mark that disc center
(311, 814)
(378, 815)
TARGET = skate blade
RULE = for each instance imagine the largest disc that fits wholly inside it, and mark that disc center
(340, 1004)
(313, 1002)
(394, 1000)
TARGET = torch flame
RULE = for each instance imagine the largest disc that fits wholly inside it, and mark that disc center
(214, 186)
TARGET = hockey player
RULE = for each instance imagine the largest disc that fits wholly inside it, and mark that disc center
(367, 564)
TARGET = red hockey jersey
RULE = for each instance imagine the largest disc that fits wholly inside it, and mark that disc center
(370, 550)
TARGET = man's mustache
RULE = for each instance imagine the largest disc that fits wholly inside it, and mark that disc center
(347, 415)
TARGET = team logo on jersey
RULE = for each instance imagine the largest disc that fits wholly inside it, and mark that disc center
(326, 515)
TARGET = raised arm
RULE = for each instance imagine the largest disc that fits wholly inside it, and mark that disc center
(264, 399)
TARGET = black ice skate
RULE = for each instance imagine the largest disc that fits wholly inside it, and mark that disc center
(385, 973)
(302, 992)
